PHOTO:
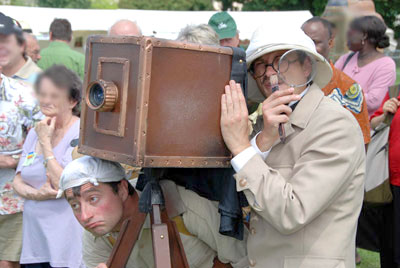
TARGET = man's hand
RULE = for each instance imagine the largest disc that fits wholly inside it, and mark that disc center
(234, 119)
(391, 106)
(275, 112)
(101, 265)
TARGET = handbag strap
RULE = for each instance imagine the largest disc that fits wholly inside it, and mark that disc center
(348, 59)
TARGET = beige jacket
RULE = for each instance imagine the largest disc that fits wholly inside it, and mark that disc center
(201, 219)
(307, 195)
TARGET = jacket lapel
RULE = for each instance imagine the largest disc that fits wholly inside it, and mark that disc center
(303, 112)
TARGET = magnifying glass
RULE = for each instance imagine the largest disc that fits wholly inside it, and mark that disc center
(297, 68)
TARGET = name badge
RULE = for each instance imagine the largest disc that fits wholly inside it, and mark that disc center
(29, 159)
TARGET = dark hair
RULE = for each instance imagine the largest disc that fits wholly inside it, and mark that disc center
(114, 187)
(375, 29)
(327, 24)
(61, 30)
(66, 79)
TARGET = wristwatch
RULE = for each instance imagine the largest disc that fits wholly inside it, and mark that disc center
(16, 156)
(47, 160)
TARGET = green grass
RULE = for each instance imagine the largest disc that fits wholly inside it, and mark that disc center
(397, 76)
(369, 259)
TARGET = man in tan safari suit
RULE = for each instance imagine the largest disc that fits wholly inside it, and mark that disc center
(306, 192)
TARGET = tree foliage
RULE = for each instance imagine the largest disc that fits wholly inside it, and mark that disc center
(104, 4)
(64, 3)
(316, 7)
(389, 9)
(166, 4)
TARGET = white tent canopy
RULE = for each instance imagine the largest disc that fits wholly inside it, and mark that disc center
(162, 24)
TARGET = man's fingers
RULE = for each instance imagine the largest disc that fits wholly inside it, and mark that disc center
(242, 99)
(224, 111)
(282, 119)
(280, 93)
(281, 109)
(235, 97)
(283, 100)
(229, 103)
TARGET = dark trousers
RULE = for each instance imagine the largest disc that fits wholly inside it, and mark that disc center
(379, 230)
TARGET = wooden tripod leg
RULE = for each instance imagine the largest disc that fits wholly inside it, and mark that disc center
(178, 256)
(162, 256)
(127, 238)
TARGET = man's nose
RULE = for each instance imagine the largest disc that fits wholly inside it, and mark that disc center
(86, 213)
(270, 71)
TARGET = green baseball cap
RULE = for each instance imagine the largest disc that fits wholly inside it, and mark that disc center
(223, 24)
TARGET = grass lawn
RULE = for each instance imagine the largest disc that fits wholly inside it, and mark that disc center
(369, 259)
(398, 76)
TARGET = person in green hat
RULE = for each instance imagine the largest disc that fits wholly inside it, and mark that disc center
(225, 26)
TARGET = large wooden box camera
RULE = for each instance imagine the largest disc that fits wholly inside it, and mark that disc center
(150, 102)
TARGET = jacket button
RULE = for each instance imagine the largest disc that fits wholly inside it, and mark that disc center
(252, 263)
(242, 182)
(253, 231)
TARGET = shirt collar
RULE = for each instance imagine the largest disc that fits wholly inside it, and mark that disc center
(306, 106)
(301, 96)
(26, 70)
(58, 44)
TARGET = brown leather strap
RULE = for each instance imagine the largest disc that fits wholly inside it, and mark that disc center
(128, 235)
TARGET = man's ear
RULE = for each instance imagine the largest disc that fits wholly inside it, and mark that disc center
(123, 191)
(331, 43)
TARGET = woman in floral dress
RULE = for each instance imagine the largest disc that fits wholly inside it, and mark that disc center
(18, 112)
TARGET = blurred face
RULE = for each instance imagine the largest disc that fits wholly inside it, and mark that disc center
(293, 69)
(355, 40)
(230, 42)
(33, 49)
(54, 101)
(97, 208)
(10, 51)
(320, 35)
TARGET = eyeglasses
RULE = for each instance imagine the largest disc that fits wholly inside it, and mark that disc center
(260, 68)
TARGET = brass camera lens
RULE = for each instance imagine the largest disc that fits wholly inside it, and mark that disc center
(101, 95)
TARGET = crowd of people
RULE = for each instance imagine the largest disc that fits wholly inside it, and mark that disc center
(304, 190)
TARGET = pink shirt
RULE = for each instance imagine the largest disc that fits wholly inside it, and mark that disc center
(375, 78)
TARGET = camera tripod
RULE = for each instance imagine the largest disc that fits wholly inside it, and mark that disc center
(167, 245)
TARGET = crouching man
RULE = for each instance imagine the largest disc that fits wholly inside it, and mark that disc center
(101, 199)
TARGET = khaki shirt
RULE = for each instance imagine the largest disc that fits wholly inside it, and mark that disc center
(201, 219)
(28, 73)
